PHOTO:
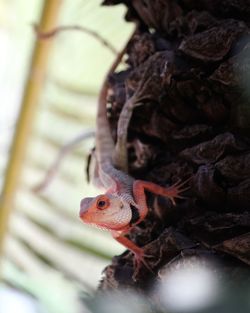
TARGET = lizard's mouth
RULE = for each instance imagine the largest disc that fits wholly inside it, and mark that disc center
(86, 217)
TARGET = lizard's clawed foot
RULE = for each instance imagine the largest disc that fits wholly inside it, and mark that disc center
(174, 191)
(139, 260)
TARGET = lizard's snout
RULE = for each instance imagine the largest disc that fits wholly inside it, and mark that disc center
(84, 206)
(82, 211)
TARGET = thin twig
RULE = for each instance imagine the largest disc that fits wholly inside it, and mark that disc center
(62, 153)
(55, 31)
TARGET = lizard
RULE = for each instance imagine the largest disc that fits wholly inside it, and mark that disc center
(123, 205)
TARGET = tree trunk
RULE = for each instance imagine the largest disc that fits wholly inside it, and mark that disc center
(191, 61)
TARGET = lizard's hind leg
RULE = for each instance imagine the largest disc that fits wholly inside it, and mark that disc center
(120, 157)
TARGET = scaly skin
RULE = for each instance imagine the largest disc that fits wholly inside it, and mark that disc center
(124, 204)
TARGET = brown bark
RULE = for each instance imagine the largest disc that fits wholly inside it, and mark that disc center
(194, 60)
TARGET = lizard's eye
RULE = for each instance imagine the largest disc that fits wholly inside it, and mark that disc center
(102, 204)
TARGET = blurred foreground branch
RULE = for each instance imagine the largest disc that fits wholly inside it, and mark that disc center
(59, 29)
(67, 148)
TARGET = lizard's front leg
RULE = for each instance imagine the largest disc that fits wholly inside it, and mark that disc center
(173, 192)
(138, 252)
(139, 187)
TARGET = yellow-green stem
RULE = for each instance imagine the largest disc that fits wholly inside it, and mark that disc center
(28, 109)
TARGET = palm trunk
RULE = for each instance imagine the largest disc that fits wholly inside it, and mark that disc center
(194, 60)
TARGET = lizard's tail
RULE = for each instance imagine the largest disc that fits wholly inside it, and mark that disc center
(104, 142)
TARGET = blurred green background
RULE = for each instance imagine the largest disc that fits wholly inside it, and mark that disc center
(48, 253)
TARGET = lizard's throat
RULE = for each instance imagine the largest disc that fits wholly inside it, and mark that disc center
(115, 221)
(122, 220)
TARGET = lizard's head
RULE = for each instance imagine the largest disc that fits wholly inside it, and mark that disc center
(106, 211)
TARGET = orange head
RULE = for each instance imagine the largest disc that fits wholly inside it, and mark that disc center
(106, 211)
